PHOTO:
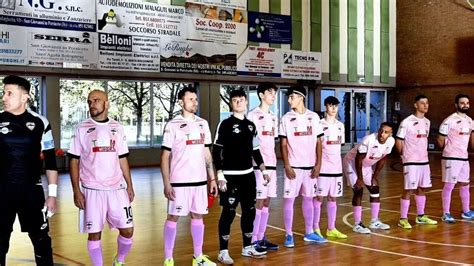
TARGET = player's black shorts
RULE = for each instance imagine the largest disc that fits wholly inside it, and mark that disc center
(240, 189)
(25, 200)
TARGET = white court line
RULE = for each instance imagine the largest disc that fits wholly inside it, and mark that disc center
(344, 219)
(415, 214)
(391, 197)
(374, 249)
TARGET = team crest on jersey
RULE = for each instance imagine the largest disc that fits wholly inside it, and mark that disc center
(250, 127)
(183, 125)
(4, 130)
(30, 125)
(231, 200)
(4, 124)
(90, 130)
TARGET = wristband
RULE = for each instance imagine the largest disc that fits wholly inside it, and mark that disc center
(264, 172)
(52, 190)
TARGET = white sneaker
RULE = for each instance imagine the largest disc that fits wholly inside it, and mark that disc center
(361, 229)
(250, 251)
(224, 257)
(377, 224)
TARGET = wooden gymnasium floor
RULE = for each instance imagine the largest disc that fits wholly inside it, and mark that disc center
(423, 245)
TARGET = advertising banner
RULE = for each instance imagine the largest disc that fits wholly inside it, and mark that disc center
(216, 23)
(59, 14)
(259, 61)
(13, 47)
(301, 65)
(269, 28)
(198, 57)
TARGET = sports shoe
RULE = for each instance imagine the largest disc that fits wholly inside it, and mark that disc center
(377, 224)
(289, 242)
(335, 233)
(253, 251)
(258, 246)
(203, 260)
(403, 223)
(361, 229)
(117, 262)
(318, 231)
(224, 257)
(469, 215)
(313, 237)
(169, 262)
(424, 220)
(268, 245)
(447, 218)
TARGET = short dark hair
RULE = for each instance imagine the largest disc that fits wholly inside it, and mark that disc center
(331, 100)
(185, 89)
(237, 93)
(16, 80)
(387, 124)
(265, 86)
(419, 97)
(459, 96)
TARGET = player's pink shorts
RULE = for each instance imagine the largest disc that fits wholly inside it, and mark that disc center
(111, 206)
(188, 199)
(302, 185)
(417, 176)
(330, 186)
(454, 171)
(268, 191)
(350, 173)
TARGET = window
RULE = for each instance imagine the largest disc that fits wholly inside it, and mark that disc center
(142, 107)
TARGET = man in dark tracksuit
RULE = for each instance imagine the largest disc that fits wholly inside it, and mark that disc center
(23, 136)
(234, 148)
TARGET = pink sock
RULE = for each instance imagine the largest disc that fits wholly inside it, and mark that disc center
(420, 204)
(357, 214)
(332, 209)
(446, 196)
(95, 252)
(308, 214)
(404, 206)
(465, 198)
(317, 213)
(263, 223)
(197, 232)
(374, 210)
(124, 246)
(288, 214)
(169, 235)
(256, 224)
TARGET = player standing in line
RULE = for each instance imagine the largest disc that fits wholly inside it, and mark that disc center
(455, 133)
(300, 140)
(267, 126)
(412, 145)
(235, 146)
(25, 134)
(186, 162)
(362, 166)
(101, 180)
(330, 181)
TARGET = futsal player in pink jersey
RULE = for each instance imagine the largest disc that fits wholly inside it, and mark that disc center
(186, 167)
(455, 134)
(101, 180)
(330, 181)
(362, 166)
(266, 123)
(300, 142)
(412, 145)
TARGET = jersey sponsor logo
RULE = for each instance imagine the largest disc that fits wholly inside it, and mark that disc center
(420, 134)
(236, 129)
(268, 133)
(308, 132)
(30, 125)
(375, 157)
(90, 130)
(335, 142)
(195, 141)
(5, 130)
(110, 148)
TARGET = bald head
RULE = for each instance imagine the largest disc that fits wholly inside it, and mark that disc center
(98, 103)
